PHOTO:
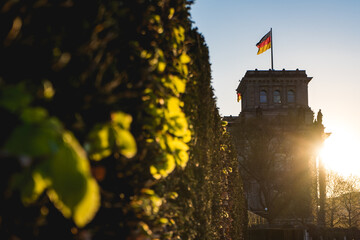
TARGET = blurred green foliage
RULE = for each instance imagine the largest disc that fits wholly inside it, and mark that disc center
(61, 168)
(108, 119)
(106, 138)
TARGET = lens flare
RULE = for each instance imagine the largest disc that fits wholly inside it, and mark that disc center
(340, 153)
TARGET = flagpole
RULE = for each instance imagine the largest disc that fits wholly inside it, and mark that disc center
(272, 44)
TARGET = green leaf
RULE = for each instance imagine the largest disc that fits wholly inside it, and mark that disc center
(48, 90)
(171, 13)
(176, 144)
(77, 194)
(34, 140)
(184, 58)
(64, 170)
(179, 83)
(106, 138)
(122, 119)
(154, 172)
(163, 167)
(179, 34)
(161, 67)
(173, 195)
(148, 204)
(163, 220)
(15, 97)
(98, 144)
(87, 208)
(31, 185)
(124, 142)
(182, 158)
(173, 105)
(147, 191)
(34, 115)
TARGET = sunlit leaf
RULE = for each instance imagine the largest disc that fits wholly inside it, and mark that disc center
(163, 220)
(48, 89)
(73, 191)
(106, 138)
(31, 185)
(155, 18)
(154, 172)
(182, 158)
(179, 34)
(64, 170)
(146, 229)
(177, 84)
(40, 183)
(224, 123)
(161, 67)
(148, 191)
(149, 204)
(164, 167)
(184, 69)
(175, 144)
(124, 141)
(98, 142)
(171, 13)
(87, 208)
(122, 119)
(184, 58)
(69, 189)
(156, 202)
(187, 136)
(173, 195)
(145, 54)
(173, 106)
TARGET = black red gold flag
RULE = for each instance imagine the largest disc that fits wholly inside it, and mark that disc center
(264, 44)
(238, 97)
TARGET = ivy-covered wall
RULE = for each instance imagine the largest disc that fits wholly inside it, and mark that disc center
(109, 126)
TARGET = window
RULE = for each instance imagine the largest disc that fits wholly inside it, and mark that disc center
(263, 96)
(290, 96)
(276, 96)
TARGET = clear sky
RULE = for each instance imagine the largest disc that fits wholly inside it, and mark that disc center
(321, 37)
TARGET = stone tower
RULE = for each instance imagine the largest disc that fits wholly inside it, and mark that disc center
(275, 93)
(276, 138)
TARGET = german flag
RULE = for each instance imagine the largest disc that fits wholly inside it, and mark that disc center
(264, 44)
(238, 97)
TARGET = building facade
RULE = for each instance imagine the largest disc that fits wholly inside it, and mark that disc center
(275, 93)
(277, 140)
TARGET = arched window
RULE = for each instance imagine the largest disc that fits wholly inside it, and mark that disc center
(276, 96)
(263, 96)
(291, 96)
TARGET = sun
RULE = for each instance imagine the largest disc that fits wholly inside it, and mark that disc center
(341, 153)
